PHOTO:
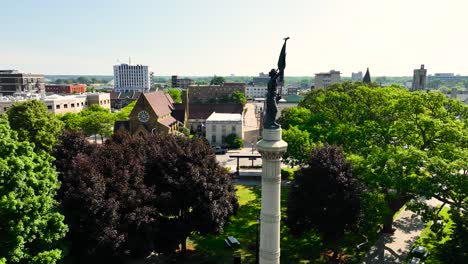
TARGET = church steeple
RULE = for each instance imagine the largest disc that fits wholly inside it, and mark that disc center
(367, 78)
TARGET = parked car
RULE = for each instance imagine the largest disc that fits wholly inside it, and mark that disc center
(219, 150)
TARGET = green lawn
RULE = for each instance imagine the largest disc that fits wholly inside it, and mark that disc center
(434, 241)
(304, 249)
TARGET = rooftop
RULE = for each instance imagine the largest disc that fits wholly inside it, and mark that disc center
(224, 117)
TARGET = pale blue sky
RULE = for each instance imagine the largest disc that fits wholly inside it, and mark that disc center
(242, 37)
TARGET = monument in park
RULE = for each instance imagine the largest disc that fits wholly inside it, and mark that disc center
(272, 148)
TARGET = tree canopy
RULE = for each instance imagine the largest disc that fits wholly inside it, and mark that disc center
(233, 141)
(34, 124)
(217, 80)
(392, 136)
(95, 120)
(176, 94)
(134, 195)
(30, 227)
(325, 195)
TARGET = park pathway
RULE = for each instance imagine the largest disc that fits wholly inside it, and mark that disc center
(393, 248)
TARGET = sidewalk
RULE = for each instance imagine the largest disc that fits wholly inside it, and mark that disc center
(393, 248)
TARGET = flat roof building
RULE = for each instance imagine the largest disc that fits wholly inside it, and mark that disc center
(220, 125)
(324, 79)
(132, 78)
(13, 81)
(65, 88)
(59, 104)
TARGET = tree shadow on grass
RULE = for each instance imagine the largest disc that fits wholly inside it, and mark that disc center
(212, 249)
(243, 226)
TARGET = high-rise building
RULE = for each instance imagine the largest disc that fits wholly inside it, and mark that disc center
(356, 76)
(419, 79)
(12, 81)
(129, 78)
(324, 79)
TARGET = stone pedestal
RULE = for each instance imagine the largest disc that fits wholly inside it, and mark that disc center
(271, 147)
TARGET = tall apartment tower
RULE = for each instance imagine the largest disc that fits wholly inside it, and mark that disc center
(324, 79)
(130, 78)
(419, 79)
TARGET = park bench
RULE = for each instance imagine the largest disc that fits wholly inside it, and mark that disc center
(231, 241)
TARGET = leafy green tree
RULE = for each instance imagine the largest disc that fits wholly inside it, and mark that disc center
(176, 95)
(34, 124)
(217, 80)
(384, 128)
(234, 142)
(83, 79)
(299, 146)
(59, 81)
(238, 97)
(97, 120)
(30, 227)
(124, 113)
(71, 121)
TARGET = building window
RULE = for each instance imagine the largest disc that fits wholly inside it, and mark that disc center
(5, 108)
(49, 107)
(72, 105)
(233, 129)
(213, 139)
(57, 107)
(213, 128)
(65, 106)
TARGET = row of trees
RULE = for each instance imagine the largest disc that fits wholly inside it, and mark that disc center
(403, 145)
(93, 120)
(81, 79)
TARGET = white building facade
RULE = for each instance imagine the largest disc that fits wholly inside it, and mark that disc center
(59, 104)
(129, 78)
(256, 91)
(220, 125)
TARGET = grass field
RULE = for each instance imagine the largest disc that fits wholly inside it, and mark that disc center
(210, 249)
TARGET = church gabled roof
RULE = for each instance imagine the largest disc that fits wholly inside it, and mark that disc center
(160, 102)
(367, 78)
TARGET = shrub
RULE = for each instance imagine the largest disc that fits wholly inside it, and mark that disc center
(234, 142)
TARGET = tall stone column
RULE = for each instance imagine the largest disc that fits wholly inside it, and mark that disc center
(271, 147)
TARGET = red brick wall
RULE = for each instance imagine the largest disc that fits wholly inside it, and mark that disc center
(66, 88)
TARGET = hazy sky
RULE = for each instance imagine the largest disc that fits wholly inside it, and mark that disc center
(243, 37)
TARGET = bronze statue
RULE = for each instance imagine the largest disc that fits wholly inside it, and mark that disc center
(276, 77)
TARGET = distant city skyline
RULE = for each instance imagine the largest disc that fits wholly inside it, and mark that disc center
(206, 37)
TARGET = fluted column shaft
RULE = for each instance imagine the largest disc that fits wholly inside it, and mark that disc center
(271, 147)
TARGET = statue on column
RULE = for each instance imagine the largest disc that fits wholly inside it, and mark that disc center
(272, 98)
